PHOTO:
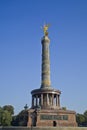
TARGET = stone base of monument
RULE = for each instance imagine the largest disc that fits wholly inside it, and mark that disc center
(53, 118)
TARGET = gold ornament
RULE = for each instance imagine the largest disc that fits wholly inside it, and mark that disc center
(45, 29)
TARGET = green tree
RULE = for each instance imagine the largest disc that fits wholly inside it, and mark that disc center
(9, 108)
(6, 115)
(64, 108)
(15, 121)
(6, 118)
(85, 115)
(1, 116)
(80, 119)
(21, 119)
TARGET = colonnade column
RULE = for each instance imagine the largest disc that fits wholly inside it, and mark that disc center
(47, 99)
(59, 100)
(41, 99)
(52, 99)
(32, 101)
(36, 100)
(56, 100)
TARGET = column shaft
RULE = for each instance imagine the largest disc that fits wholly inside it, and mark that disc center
(52, 99)
(41, 99)
(36, 100)
(59, 100)
(47, 99)
(32, 101)
(45, 81)
(56, 100)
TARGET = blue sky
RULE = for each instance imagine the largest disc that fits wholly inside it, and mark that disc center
(20, 50)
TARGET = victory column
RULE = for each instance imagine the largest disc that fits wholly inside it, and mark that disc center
(45, 109)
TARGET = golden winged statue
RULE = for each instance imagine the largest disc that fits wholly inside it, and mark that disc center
(45, 29)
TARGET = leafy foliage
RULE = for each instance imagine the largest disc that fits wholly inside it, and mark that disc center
(64, 108)
(80, 119)
(21, 119)
(9, 108)
(5, 117)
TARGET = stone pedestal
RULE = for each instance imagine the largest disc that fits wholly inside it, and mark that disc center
(52, 118)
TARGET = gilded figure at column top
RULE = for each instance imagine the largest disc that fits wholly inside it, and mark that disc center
(45, 29)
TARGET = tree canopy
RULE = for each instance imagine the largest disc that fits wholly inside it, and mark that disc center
(9, 108)
(5, 116)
